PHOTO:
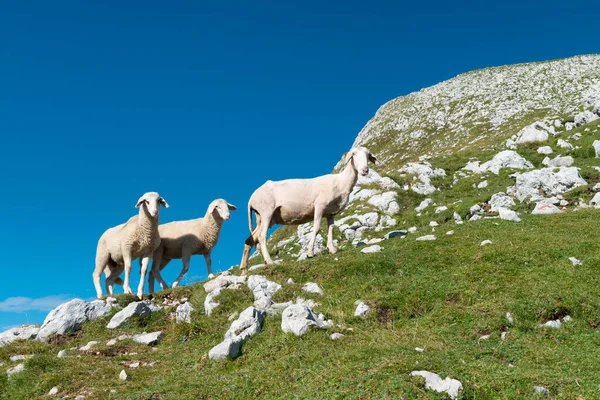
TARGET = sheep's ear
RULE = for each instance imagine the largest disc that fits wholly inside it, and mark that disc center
(140, 201)
(231, 207)
(348, 156)
(373, 159)
(164, 203)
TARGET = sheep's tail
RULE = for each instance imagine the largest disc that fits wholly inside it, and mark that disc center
(250, 218)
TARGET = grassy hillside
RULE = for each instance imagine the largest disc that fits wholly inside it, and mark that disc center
(441, 296)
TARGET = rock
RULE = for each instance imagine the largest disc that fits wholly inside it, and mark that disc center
(508, 215)
(564, 144)
(541, 390)
(123, 375)
(53, 391)
(309, 303)
(457, 218)
(545, 150)
(255, 267)
(532, 133)
(433, 224)
(509, 318)
(424, 204)
(595, 202)
(441, 209)
(134, 365)
(297, 319)
(98, 308)
(434, 382)
(369, 220)
(138, 309)
(486, 242)
(312, 287)
(62, 354)
(474, 218)
(304, 232)
(503, 335)
(596, 146)
(575, 261)
(596, 187)
(529, 184)
(149, 339)
(375, 241)
(111, 342)
(336, 336)
(420, 350)
(394, 234)
(262, 290)
(362, 309)
(506, 159)
(412, 229)
(585, 117)
(25, 332)
(450, 233)
(427, 237)
(65, 318)
(551, 324)
(88, 346)
(545, 208)
(386, 202)
(290, 281)
(485, 337)
(558, 161)
(183, 313)
(424, 172)
(217, 283)
(20, 357)
(372, 249)
(385, 222)
(247, 325)
(15, 370)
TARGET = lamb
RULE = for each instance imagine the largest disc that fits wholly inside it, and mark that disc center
(297, 201)
(118, 246)
(182, 239)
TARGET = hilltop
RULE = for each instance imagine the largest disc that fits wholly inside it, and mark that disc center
(484, 268)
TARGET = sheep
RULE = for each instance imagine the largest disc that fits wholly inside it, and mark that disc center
(182, 239)
(297, 201)
(118, 246)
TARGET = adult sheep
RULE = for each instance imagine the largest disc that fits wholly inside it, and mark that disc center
(137, 238)
(182, 239)
(297, 201)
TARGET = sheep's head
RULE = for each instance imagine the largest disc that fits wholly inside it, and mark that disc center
(360, 156)
(220, 209)
(151, 202)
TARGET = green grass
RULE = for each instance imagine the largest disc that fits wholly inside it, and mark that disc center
(441, 296)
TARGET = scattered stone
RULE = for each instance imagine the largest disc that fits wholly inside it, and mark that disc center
(138, 309)
(585, 117)
(547, 181)
(433, 224)
(309, 303)
(485, 337)
(53, 391)
(123, 375)
(424, 204)
(486, 242)
(595, 202)
(427, 237)
(372, 249)
(209, 302)
(545, 150)
(564, 144)
(508, 215)
(362, 309)
(552, 324)
(541, 390)
(25, 332)
(247, 325)
(375, 241)
(149, 339)
(312, 287)
(412, 229)
(424, 172)
(509, 318)
(575, 261)
(532, 133)
(503, 336)
(457, 219)
(450, 233)
(290, 281)
(545, 208)
(61, 354)
(263, 290)
(69, 317)
(15, 370)
(394, 234)
(134, 365)
(558, 161)
(434, 382)
(183, 313)
(505, 159)
(475, 218)
(482, 184)
(111, 342)
(20, 358)
(596, 146)
(441, 209)
(336, 336)
(255, 267)
(297, 319)
(420, 350)
(88, 346)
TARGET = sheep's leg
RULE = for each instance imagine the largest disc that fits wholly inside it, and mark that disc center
(264, 230)
(185, 259)
(208, 265)
(144, 261)
(97, 274)
(127, 267)
(330, 245)
(156, 261)
(316, 226)
(248, 244)
(158, 276)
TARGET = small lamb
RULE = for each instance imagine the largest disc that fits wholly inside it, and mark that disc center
(183, 239)
(118, 246)
(297, 201)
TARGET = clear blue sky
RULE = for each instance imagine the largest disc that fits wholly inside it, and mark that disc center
(196, 100)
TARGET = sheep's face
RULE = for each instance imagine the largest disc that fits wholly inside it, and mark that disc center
(360, 157)
(151, 203)
(220, 209)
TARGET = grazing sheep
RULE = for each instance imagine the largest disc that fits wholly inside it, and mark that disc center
(118, 246)
(297, 201)
(183, 239)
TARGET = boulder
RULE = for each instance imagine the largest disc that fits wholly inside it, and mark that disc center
(546, 180)
(506, 159)
(25, 332)
(532, 133)
(248, 324)
(386, 202)
(136, 309)
(501, 200)
(508, 215)
(434, 382)
(312, 287)
(545, 208)
(424, 172)
(149, 339)
(545, 150)
(595, 202)
(262, 290)
(558, 161)
(298, 319)
(585, 117)
(65, 318)
(183, 313)
(209, 302)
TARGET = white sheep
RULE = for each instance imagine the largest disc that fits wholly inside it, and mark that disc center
(118, 246)
(183, 239)
(297, 201)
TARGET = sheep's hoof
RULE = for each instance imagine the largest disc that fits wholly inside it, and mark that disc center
(210, 276)
(332, 251)
(310, 255)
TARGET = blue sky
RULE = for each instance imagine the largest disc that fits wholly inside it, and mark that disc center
(100, 103)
